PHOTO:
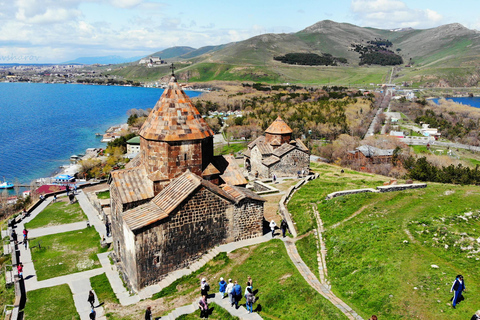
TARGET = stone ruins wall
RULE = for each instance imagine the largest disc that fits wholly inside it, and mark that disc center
(291, 163)
(397, 187)
(197, 226)
(248, 219)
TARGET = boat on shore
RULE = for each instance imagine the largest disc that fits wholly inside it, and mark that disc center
(6, 185)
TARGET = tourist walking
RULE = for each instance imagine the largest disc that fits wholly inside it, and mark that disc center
(67, 188)
(273, 225)
(14, 236)
(148, 313)
(20, 270)
(203, 305)
(284, 227)
(230, 292)
(249, 286)
(238, 293)
(25, 237)
(274, 178)
(250, 299)
(223, 286)
(476, 316)
(54, 198)
(458, 287)
(91, 298)
(204, 287)
(93, 314)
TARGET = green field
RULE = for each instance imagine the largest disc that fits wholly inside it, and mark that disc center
(65, 253)
(280, 286)
(103, 289)
(380, 261)
(51, 303)
(58, 213)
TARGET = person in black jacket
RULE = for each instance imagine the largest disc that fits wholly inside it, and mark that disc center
(457, 288)
(476, 316)
(148, 313)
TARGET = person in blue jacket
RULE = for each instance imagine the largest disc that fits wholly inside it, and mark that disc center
(223, 286)
(457, 288)
(237, 289)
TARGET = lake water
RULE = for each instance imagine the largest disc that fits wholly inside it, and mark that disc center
(42, 125)
(473, 101)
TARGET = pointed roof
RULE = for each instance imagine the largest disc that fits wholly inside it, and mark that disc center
(175, 118)
(279, 127)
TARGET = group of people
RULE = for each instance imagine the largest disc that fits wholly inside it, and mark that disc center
(232, 290)
(25, 237)
(283, 227)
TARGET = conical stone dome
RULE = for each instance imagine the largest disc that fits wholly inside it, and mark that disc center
(175, 118)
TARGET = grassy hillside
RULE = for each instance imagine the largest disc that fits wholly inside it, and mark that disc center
(429, 50)
(380, 261)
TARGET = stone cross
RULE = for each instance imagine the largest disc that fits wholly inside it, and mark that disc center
(173, 68)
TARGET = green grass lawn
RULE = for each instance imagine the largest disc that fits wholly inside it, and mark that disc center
(280, 286)
(51, 303)
(380, 261)
(103, 289)
(307, 248)
(217, 313)
(104, 195)
(231, 149)
(58, 213)
(65, 253)
(300, 206)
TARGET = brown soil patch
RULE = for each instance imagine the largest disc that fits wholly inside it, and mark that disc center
(284, 277)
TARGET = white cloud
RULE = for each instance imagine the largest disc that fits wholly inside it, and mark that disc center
(126, 3)
(392, 14)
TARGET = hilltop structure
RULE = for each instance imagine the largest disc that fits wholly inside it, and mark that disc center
(175, 200)
(277, 153)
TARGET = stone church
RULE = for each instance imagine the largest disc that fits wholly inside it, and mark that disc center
(277, 153)
(175, 200)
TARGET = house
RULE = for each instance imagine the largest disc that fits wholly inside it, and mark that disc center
(133, 146)
(398, 134)
(176, 200)
(277, 153)
(367, 154)
(429, 132)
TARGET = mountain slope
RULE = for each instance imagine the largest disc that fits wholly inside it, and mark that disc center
(173, 52)
(430, 50)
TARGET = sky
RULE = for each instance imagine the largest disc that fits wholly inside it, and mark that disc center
(49, 31)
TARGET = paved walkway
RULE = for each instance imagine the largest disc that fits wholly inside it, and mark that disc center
(80, 285)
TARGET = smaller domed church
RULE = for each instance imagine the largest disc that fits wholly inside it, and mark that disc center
(176, 200)
(277, 153)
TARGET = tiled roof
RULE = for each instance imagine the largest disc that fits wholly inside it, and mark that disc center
(134, 140)
(180, 188)
(232, 173)
(254, 142)
(174, 118)
(132, 184)
(301, 146)
(247, 153)
(279, 127)
(270, 160)
(264, 148)
(210, 170)
(143, 215)
(239, 193)
(283, 149)
(135, 162)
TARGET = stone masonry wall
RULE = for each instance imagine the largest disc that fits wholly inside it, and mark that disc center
(257, 165)
(248, 219)
(172, 158)
(291, 163)
(198, 225)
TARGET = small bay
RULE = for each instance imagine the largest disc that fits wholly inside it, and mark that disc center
(42, 125)
(469, 101)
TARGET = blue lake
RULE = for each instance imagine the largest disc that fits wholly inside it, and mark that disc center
(474, 101)
(42, 125)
